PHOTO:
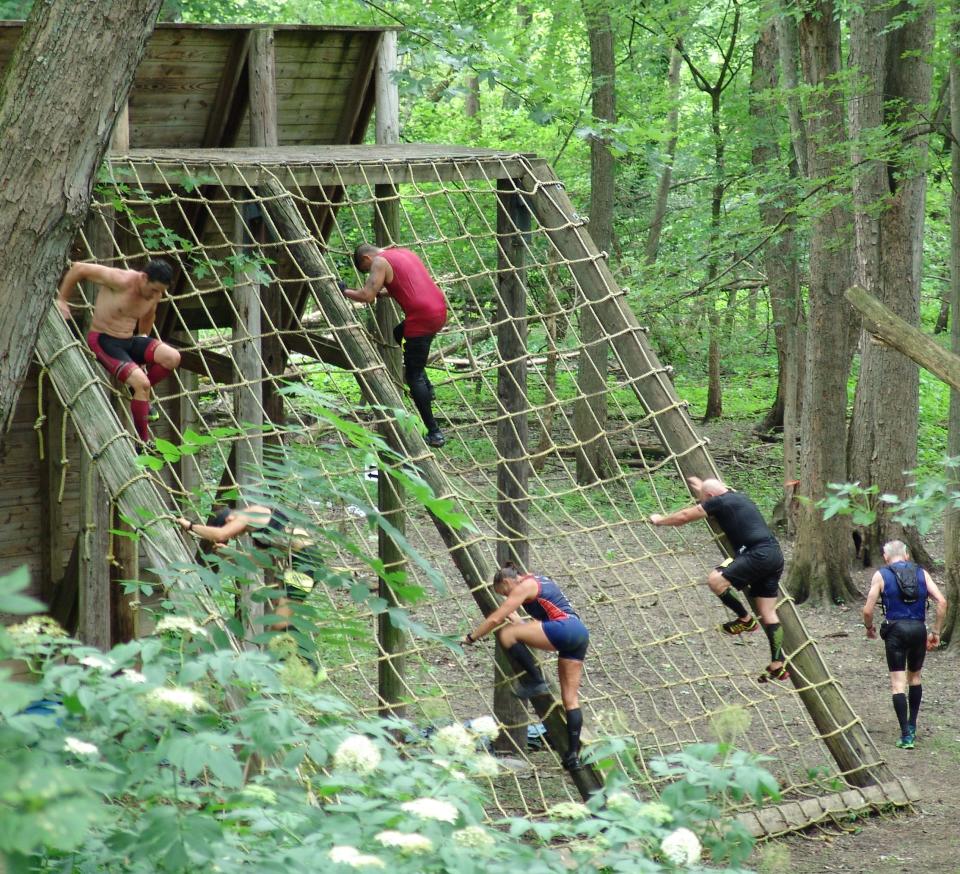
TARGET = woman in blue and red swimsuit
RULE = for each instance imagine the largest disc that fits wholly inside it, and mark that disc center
(555, 627)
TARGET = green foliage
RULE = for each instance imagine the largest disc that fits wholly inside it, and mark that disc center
(169, 754)
(932, 495)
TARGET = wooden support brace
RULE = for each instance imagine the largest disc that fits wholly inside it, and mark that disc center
(372, 373)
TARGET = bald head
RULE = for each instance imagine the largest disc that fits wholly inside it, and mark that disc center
(363, 256)
(711, 488)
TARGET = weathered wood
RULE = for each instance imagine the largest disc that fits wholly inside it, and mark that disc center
(68, 103)
(263, 89)
(94, 577)
(248, 408)
(321, 165)
(104, 438)
(191, 476)
(227, 106)
(905, 338)
(843, 733)
(391, 640)
(513, 431)
(51, 472)
(372, 374)
(790, 816)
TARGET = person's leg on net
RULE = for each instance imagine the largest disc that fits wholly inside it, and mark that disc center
(721, 581)
(516, 638)
(416, 351)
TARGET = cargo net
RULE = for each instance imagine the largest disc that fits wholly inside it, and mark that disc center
(658, 675)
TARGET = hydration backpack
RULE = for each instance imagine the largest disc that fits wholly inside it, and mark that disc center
(908, 581)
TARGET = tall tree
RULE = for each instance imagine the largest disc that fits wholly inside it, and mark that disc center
(819, 569)
(889, 55)
(64, 86)
(594, 459)
(780, 259)
(714, 87)
(951, 530)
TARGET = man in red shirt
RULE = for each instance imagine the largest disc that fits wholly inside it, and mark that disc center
(400, 274)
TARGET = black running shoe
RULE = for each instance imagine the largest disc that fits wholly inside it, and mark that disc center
(435, 439)
(528, 688)
(571, 762)
(739, 626)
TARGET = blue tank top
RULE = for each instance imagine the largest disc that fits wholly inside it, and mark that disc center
(893, 606)
(550, 604)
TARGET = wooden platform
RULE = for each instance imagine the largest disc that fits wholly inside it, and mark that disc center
(191, 89)
(314, 166)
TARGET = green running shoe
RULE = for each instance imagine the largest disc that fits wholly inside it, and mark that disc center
(739, 626)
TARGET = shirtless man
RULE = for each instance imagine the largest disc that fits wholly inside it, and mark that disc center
(123, 317)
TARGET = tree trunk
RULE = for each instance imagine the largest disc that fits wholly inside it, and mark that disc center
(891, 61)
(779, 257)
(714, 409)
(670, 150)
(819, 569)
(951, 530)
(58, 105)
(595, 458)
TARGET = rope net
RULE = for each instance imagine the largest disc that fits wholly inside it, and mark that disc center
(658, 675)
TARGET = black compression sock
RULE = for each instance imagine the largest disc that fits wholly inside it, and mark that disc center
(574, 726)
(914, 696)
(775, 636)
(734, 603)
(523, 657)
(900, 708)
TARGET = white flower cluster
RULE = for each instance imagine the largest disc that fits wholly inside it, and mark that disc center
(621, 802)
(180, 624)
(133, 676)
(485, 765)
(80, 747)
(681, 847)
(97, 661)
(431, 808)
(406, 842)
(36, 626)
(354, 858)
(357, 753)
(454, 740)
(474, 837)
(485, 727)
(176, 698)
(657, 812)
(568, 810)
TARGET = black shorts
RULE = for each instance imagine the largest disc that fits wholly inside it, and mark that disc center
(756, 571)
(906, 645)
(121, 355)
(416, 350)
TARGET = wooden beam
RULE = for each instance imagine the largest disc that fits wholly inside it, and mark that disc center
(353, 101)
(52, 471)
(287, 224)
(104, 437)
(248, 409)
(94, 578)
(391, 640)
(513, 433)
(228, 106)
(841, 729)
(904, 337)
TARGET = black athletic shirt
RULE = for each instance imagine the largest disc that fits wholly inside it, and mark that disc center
(740, 520)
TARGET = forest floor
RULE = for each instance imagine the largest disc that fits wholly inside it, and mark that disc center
(928, 840)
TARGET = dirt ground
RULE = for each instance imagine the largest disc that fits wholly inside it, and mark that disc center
(928, 841)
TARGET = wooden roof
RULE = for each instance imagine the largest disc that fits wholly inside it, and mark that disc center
(190, 90)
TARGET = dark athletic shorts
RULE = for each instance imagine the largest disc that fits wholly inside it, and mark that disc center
(121, 355)
(906, 645)
(756, 571)
(569, 636)
(416, 350)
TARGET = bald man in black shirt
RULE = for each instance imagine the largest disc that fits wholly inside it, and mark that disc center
(756, 566)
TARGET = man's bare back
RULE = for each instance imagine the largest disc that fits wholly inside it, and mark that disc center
(126, 302)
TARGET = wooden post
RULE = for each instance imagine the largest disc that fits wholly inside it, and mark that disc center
(94, 534)
(372, 375)
(249, 405)
(391, 640)
(52, 469)
(264, 134)
(513, 430)
(191, 477)
(859, 760)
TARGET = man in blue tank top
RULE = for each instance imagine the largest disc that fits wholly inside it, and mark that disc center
(904, 630)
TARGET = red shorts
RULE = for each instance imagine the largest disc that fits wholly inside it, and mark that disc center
(120, 355)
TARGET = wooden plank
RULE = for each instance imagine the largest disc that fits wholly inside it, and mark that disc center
(93, 626)
(513, 433)
(247, 167)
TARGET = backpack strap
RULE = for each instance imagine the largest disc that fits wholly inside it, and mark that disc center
(886, 579)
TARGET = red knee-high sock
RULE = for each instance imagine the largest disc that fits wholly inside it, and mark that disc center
(157, 372)
(140, 410)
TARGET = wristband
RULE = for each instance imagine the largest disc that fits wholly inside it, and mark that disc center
(470, 638)
(190, 525)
